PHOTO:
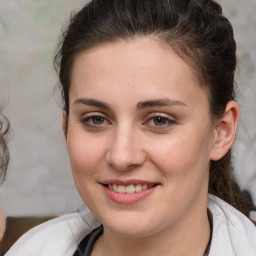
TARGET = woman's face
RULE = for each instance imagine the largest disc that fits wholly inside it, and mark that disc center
(140, 137)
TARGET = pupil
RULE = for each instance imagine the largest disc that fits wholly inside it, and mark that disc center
(98, 120)
(159, 121)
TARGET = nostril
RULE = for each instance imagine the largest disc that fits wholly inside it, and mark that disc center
(125, 160)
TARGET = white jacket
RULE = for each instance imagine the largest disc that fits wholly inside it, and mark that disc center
(233, 234)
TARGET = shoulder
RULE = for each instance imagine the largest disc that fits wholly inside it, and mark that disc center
(57, 237)
(233, 233)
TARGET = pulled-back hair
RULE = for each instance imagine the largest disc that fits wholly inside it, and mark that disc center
(4, 153)
(195, 29)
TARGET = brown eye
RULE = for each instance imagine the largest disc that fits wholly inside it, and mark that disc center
(160, 121)
(97, 120)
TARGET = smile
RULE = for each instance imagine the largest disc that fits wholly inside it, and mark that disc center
(129, 189)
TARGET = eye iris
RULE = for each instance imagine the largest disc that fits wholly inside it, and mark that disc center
(98, 120)
(159, 121)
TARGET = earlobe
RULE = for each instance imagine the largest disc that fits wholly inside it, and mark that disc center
(64, 125)
(225, 130)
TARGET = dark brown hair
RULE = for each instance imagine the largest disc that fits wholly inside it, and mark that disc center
(4, 152)
(195, 29)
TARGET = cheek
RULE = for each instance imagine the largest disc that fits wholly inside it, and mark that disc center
(85, 154)
(86, 162)
(183, 155)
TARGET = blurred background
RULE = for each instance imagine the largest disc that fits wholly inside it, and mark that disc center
(39, 180)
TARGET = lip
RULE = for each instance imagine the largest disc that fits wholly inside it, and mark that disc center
(128, 198)
(128, 182)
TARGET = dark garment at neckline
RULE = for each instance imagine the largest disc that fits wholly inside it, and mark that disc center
(86, 245)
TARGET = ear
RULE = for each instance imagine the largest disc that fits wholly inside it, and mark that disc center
(64, 123)
(225, 131)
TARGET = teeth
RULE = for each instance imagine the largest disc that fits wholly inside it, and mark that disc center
(138, 188)
(130, 189)
(121, 189)
(144, 187)
(115, 188)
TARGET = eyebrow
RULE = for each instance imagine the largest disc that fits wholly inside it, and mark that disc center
(92, 102)
(141, 105)
(160, 103)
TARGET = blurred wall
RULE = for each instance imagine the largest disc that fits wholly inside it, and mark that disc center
(39, 180)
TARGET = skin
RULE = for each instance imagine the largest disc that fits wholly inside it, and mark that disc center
(152, 124)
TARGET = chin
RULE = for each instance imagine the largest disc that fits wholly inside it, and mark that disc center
(131, 232)
(130, 228)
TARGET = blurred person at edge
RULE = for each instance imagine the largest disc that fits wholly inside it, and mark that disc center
(149, 117)
(4, 159)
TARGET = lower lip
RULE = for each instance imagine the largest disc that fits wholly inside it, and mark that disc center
(128, 198)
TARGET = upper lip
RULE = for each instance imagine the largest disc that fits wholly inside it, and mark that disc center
(128, 182)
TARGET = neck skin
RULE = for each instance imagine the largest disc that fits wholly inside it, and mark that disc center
(189, 236)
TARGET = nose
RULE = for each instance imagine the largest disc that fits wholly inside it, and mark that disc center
(126, 150)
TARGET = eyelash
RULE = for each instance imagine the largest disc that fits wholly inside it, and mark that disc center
(167, 122)
(90, 122)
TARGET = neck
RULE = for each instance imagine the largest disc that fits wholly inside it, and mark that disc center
(188, 237)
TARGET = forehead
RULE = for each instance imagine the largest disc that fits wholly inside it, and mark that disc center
(141, 66)
(135, 54)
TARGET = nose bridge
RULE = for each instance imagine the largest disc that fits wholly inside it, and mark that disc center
(125, 150)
